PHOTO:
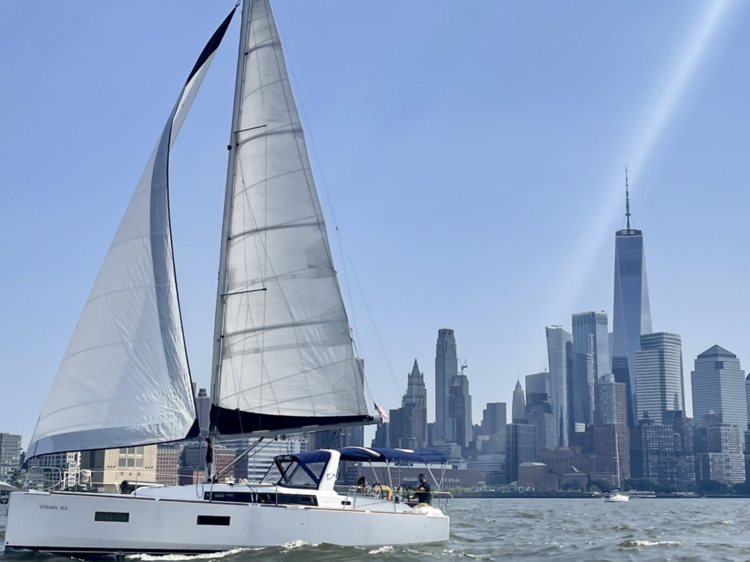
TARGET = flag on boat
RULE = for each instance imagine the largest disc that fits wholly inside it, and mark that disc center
(385, 416)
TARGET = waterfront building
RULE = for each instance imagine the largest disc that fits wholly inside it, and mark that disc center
(110, 467)
(590, 335)
(659, 379)
(520, 446)
(684, 446)
(537, 477)
(632, 311)
(559, 353)
(718, 385)
(446, 367)
(652, 451)
(490, 466)
(719, 452)
(168, 463)
(519, 404)
(566, 460)
(10, 455)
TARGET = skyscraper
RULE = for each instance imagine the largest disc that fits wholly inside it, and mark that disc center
(659, 381)
(416, 391)
(446, 367)
(590, 335)
(459, 425)
(539, 415)
(493, 428)
(203, 407)
(632, 312)
(581, 390)
(538, 383)
(408, 425)
(519, 404)
(719, 387)
(559, 353)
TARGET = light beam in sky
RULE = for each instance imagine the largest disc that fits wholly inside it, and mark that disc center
(655, 120)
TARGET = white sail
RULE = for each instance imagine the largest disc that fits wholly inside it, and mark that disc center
(284, 351)
(124, 379)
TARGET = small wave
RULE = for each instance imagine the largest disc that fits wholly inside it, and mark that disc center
(295, 544)
(381, 550)
(638, 544)
(623, 528)
(177, 557)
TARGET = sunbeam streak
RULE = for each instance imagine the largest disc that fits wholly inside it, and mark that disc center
(645, 138)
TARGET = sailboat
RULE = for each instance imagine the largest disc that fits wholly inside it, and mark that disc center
(283, 359)
(616, 496)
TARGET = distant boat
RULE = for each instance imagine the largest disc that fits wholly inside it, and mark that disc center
(615, 496)
(284, 359)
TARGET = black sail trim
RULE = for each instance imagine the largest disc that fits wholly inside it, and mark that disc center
(236, 422)
(160, 204)
(212, 44)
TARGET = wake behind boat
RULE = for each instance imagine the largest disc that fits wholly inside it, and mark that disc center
(284, 360)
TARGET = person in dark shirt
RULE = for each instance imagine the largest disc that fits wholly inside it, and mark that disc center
(423, 491)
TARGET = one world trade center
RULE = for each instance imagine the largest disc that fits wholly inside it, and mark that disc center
(632, 313)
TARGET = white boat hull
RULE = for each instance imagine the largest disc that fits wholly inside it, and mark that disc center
(65, 523)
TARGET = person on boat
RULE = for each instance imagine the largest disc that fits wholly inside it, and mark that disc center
(362, 485)
(423, 491)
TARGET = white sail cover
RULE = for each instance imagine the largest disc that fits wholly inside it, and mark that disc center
(124, 379)
(285, 357)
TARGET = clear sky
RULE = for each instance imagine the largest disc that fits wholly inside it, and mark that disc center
(473, 154)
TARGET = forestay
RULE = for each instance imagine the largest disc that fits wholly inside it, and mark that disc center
(284, 354)
(124, 379)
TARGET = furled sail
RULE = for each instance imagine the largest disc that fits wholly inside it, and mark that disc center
(124, 379)
(284, 357)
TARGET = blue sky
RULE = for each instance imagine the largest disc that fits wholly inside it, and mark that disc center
(473, 154)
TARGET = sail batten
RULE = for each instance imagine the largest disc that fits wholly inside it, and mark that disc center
(124, 379)
(284, 355)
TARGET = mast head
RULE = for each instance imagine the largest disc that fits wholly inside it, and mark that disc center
(627, 200)
(628, 229)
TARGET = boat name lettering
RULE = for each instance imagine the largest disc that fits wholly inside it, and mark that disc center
(53, 507)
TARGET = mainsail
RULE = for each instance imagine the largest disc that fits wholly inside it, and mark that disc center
(284, 357)
(124, 379)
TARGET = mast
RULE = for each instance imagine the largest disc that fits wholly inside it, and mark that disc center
(617, 459)
(221, 290)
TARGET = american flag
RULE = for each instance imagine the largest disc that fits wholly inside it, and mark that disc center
(385, 416)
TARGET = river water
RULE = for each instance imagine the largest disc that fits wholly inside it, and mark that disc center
(538, 529)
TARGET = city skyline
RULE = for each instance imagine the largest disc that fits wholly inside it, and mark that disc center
(497, 245)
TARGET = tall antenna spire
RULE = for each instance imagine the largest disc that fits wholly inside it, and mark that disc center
(627, 199)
